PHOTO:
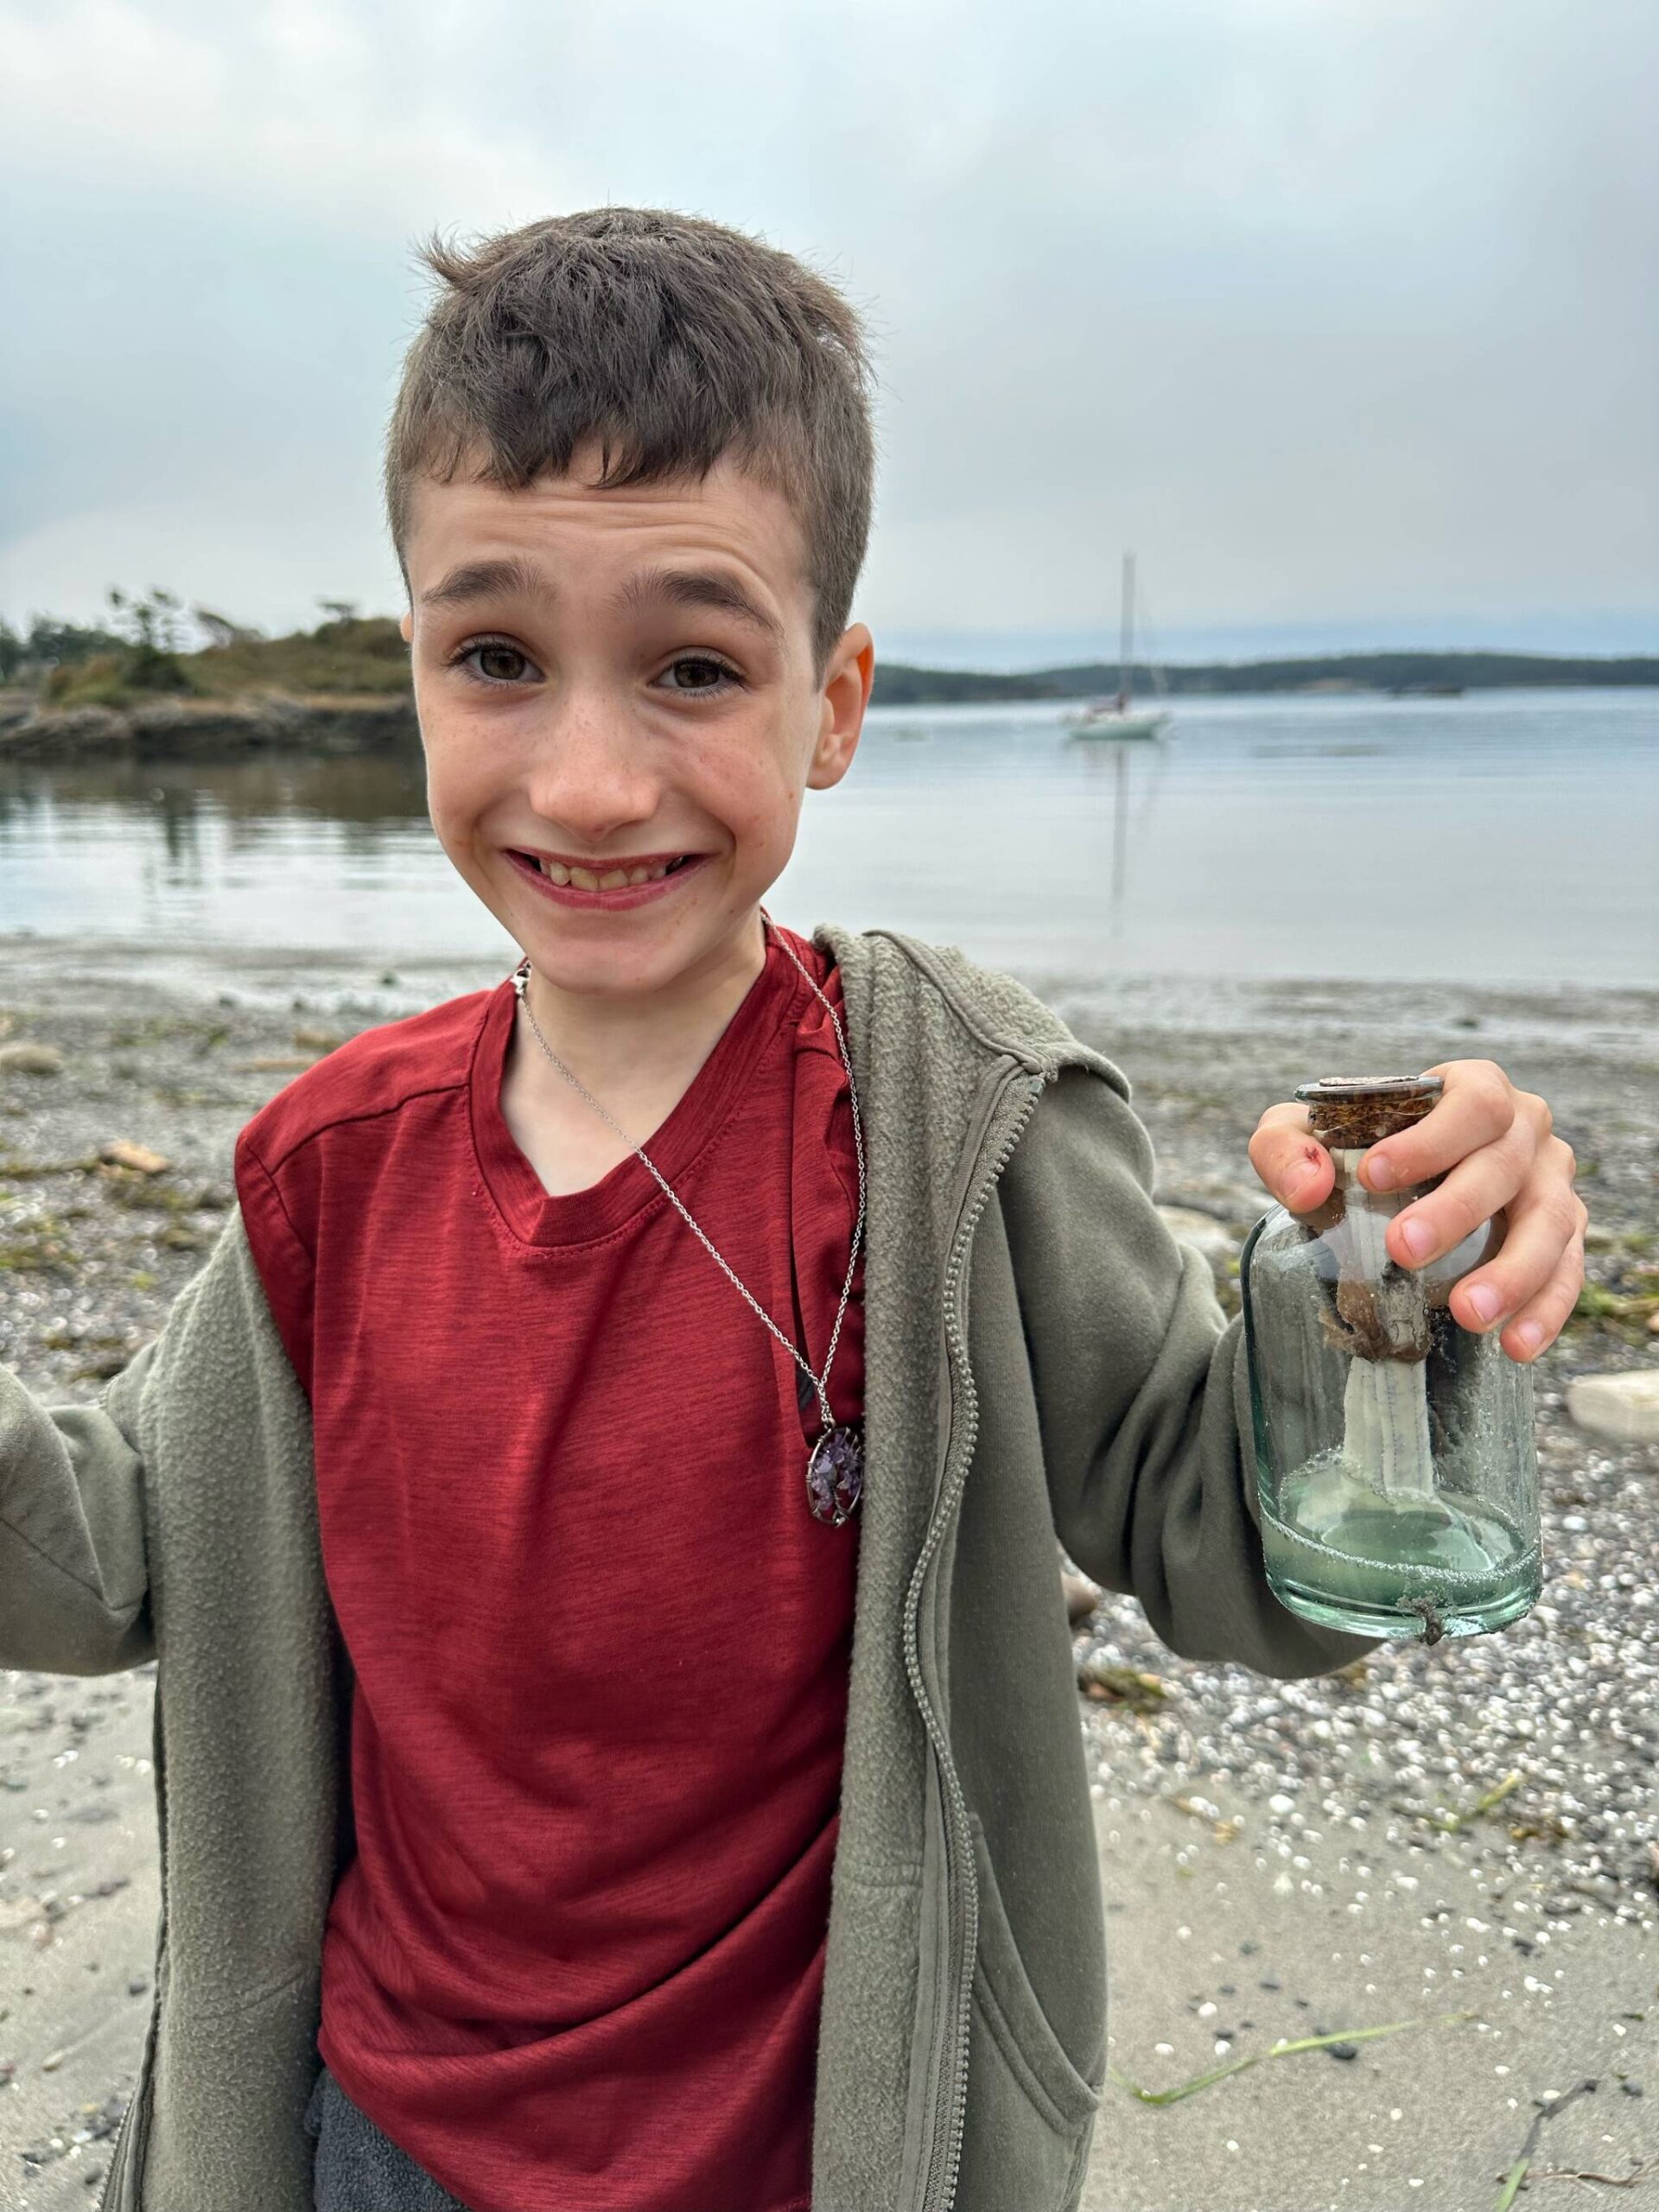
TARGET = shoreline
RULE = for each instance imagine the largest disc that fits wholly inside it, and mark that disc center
(1455, 1015)
(1272, 1864)
(232, 724)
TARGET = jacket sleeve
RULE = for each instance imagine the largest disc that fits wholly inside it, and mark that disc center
(74, 1585)
(1141, 1388)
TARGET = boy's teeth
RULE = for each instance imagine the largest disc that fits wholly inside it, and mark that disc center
(613, 879)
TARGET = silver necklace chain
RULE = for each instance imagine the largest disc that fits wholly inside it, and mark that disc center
(820, 1383)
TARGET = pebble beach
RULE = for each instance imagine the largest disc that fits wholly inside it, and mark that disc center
(1440, 1869)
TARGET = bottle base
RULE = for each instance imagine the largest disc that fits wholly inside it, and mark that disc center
(1419, 1563)
(1422, 1620)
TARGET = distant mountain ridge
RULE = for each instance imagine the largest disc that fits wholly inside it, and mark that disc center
(899, 684)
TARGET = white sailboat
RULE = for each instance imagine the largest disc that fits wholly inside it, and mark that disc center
(1119, 717)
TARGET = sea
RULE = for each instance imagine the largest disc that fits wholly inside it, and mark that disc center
(1501, 837)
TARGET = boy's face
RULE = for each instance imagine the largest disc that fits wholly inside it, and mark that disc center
(613, 679)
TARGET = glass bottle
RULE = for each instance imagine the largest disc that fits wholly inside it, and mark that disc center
(1394, 1448)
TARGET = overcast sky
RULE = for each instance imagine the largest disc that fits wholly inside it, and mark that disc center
(1342, 313)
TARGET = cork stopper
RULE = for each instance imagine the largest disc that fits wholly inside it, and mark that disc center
(1351, 1111)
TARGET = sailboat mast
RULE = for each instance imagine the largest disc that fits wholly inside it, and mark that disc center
(1126, 633)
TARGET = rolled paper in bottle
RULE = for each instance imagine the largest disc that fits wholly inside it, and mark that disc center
(1381, 1317)
(1383, 1310)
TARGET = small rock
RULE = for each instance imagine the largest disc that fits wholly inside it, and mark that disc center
(138, 1985)
(1623, 1409)
(120, 1154)
(30, 1059)
(1631, 2088)
(318, 1040)
(1082, 1596)
(1342, 2050)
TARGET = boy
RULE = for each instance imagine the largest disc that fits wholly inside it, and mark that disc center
(462, 1905)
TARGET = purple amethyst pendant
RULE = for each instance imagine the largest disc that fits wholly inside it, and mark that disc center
(834, 1473)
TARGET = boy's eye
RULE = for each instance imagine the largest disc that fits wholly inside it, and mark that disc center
(498, 662)
(705, 673)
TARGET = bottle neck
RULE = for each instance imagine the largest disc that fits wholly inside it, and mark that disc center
(1346, 1161)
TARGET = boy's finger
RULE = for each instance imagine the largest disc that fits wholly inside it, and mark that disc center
(1289, 1160)
(1539, 1236)
(1542, 1318)
(1471, 1193)
(1477, 1106)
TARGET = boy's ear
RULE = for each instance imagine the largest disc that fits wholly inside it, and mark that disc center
(845, 695)
(407, 625)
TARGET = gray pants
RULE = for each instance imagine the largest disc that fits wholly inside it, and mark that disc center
(359, 2169)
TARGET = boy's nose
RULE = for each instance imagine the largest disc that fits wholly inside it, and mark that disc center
(590, 774)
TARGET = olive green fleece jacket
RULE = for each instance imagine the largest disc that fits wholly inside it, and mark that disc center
(1041, 1357)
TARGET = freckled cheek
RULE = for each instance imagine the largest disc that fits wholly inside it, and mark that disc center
(465, 779)
(750, 796)
(462, 804)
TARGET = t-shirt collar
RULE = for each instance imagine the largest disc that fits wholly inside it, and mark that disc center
(533, 1215)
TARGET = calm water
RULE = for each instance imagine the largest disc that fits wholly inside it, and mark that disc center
(1501, 837)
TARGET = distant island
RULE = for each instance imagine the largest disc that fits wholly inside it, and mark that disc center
(897, 685)
(136, 685)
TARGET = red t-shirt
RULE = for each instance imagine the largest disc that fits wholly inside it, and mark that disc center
(600, 1643)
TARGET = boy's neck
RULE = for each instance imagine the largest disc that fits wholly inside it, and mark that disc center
(638, 1057)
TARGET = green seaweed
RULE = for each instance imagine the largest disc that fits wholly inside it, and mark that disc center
(1280, 2050)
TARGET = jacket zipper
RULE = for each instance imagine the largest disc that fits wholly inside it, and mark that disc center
(961, 1881)
(104, 2200)
(131, 2137)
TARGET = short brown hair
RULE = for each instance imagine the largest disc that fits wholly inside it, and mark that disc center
(671, 340)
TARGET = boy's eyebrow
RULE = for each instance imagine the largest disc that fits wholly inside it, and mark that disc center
(713, 588)
(488, 580)
(519, 578)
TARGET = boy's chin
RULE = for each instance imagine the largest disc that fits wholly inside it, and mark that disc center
(636, 950)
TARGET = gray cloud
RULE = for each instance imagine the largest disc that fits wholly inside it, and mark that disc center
(1342, 314)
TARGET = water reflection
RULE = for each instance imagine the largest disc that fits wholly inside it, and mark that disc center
(368, 791)
(1121, 759)
(272, 848)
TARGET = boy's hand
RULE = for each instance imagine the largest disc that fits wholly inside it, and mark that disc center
(1494, 1146)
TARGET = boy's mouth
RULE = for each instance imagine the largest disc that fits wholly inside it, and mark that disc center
(627, 881)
